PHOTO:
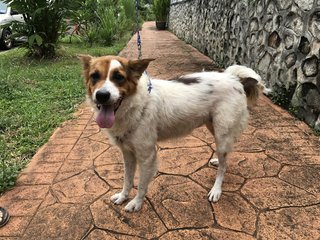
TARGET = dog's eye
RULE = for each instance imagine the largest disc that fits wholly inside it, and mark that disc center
(118, 77)
(95, 77)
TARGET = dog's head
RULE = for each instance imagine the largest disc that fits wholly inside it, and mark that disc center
(109, 80)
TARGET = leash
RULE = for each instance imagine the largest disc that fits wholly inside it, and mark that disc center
(139, 45)
(138, 32)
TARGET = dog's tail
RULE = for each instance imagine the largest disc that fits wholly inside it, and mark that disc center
(251, 81)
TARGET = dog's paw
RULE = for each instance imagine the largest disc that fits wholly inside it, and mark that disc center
(214, 162)
(134, 205)
(214, 194)
(118, 198)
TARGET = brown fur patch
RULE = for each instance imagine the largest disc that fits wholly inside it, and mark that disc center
(251, 88)
(128, 86)
(188, 80)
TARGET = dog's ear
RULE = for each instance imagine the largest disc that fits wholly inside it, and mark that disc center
(139, 66)
(85, 59)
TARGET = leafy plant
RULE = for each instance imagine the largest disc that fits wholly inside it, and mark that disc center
(107, 26)
(104, 21)
(148, 13)
(127, 15)
(84, 20)
(44, 24)
(9, 174)
(161, 9)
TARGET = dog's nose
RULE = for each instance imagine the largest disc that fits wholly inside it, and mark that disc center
(102, 96)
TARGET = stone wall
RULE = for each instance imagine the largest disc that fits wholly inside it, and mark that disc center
(280, 39)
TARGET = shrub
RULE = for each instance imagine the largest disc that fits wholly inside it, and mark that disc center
(44, 22)
(127, 15)
(104, 21)
(106, 30)
(161, 9)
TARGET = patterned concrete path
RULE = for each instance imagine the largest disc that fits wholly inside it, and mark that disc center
(271, 189)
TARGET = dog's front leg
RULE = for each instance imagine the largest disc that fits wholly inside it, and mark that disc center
(147, 170)
(129, 171)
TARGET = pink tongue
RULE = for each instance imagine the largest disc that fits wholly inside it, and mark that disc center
(105, 118)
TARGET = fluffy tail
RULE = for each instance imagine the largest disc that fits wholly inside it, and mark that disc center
(251, 81)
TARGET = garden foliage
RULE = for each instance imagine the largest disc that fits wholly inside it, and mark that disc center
(103, 22)
(44, 23)
(92, 22)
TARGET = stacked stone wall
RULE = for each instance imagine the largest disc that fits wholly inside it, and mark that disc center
(280, 39)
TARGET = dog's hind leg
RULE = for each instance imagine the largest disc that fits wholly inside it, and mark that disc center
(229, 120)
(216, 190)
(129, 171)
(224, 138)
(147, 170)
(213, 161)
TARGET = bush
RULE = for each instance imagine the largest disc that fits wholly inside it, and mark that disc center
(146, 10)
(161, 9)
(43, 24)
(148, 13)
(104, 21)
(128, 15)
(105, 32)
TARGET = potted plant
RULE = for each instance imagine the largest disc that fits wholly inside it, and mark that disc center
(161, 10)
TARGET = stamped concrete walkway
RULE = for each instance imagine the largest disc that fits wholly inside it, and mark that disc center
(271, 189)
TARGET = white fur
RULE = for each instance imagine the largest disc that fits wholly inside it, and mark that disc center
(114, 64)
(174, 109)
(109, 86)
(242, 72)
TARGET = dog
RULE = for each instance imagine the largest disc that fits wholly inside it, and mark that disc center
(137, 116)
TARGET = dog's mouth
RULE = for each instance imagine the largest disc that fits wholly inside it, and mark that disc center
(106, 115)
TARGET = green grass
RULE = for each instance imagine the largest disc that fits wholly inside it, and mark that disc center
(36, 96)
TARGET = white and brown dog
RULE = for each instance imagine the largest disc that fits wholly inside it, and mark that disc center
(136, 119)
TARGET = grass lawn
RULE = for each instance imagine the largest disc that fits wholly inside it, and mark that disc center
(36, 96)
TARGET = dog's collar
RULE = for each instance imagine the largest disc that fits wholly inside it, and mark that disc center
(149, 86)
(149, 82)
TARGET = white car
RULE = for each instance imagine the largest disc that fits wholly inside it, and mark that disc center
(7, 16)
